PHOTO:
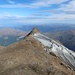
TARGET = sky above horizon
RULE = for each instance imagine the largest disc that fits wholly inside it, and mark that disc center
(37, 12)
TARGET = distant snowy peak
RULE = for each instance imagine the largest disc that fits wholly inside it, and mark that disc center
(61, 51)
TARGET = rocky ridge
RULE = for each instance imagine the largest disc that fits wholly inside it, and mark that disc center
(28, 57)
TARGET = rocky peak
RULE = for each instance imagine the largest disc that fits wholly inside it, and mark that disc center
(34, 30)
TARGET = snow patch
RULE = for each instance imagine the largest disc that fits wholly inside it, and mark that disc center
(52, 46)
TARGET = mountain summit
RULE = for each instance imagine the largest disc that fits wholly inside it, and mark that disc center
(34, 30)
(36, 55)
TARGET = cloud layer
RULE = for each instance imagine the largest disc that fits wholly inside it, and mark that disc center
(56, 11)
(10, 1)
(37, 4)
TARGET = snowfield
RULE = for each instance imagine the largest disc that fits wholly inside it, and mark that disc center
(64, 53)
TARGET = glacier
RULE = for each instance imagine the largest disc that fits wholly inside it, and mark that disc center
(68, 56)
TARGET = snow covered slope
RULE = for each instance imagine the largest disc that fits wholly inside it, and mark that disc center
(64, 53)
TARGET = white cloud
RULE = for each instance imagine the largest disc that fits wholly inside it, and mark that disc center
(15, 6)
(65, 13)
(68, 8)
(10, 1)
(39, 3)
(35, 19)
(9, 16)
(46, 3)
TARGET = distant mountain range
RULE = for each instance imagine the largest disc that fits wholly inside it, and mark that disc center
(64, 33)
(47, 27)
(10, 35)
(12, 32)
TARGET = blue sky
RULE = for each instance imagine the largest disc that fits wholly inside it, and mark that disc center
(39, 12)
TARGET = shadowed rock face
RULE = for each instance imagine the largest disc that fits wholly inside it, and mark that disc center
(34, 30)
(28, 57)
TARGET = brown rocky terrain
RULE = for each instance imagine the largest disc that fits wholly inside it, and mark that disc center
(28, 57)
(2, 48)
